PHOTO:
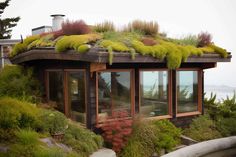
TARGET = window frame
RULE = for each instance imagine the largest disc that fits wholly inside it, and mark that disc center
(65, 73)
(170, 114)
(132, 90)
(199, 103)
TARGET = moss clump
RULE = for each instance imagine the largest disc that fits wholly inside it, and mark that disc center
(110, 53)
(22, 47)
(45, 41)
(74, 41)
(132, 53)
(115, 45)
(83, 48)
(223, 53)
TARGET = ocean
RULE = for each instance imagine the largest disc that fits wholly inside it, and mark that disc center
(222, 92)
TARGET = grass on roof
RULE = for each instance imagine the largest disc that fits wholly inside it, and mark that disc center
(132, 41)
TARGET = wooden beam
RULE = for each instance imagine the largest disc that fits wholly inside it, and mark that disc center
(97, 67)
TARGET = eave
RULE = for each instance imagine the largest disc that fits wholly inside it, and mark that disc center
(99, 55)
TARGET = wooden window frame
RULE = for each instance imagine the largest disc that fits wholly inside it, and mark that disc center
(65, 73)
(132, 90)
(199, 103)
(169, 115)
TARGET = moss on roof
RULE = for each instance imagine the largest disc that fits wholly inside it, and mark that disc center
(175, 51)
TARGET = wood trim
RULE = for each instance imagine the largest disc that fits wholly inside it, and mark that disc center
(199, 103)
(65, 84)
(169, 96)
(188, 114)
(158, 117)
(132, 90)
(67, 72)
(46, 82)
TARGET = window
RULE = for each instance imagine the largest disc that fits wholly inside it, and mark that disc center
(55, 89)
(114, 92)
(76, 96)
(188, 87)
(154, 97)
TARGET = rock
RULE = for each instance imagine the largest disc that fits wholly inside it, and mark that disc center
(104, 152)
(52, 143)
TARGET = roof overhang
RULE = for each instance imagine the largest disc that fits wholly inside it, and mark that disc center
(98, 55)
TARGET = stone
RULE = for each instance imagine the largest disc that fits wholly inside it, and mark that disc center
(104, 152)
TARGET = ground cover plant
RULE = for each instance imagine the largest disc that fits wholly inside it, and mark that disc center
(218, 121)
(138, 37)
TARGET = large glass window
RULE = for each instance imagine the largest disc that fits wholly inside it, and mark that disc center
(154, 93)
(114, 92)
(55, 89)
(187, 91)
(76, 96)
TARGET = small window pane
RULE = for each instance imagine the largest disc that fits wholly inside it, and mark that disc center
(56, 89)
(76, 96)
(187, 91)
(113, 93)
(154, 93)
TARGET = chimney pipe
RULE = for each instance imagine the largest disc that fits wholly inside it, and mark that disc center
(57, 21)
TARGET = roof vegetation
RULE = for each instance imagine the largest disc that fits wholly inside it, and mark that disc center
(137, 37)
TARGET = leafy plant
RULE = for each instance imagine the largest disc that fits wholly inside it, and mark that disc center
(151, 136)
(75, 27)
(202, 128)
(83, 141)
(53, 121)
(116, 130)
(105, 26)
(15, 81)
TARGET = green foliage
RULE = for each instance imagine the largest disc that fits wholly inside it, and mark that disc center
(27, 142)
(15, 81)
(115, 45)
(83, 141)
(53, 122)
(49, 152)
(187, 40)
(202, 128)
(83, 48)
(21, 47)
(17, 114)
(110, 53)
(74, 41)
(150, 137)
(132, 53)
(223, 53)
(44, 41)
(6, 24)
(223, 113)
(105, 26)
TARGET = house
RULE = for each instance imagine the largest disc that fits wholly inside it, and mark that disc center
(5, 47)
(92, 79)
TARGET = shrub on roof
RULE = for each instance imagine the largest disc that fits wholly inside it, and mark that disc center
(22, 47)
(75, 27)
(44, 41)
(147, 28)
(105, 26)
(204, 39)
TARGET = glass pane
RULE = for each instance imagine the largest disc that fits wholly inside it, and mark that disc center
(187, 91)
(56, 89)
(154, 93)
(113, 93)
(76, 96)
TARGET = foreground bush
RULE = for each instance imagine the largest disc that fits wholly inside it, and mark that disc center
(17, 82)
(15, 114)
(202, 128)
(83, 141)
(150, 137)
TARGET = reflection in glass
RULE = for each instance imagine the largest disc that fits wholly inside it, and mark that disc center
(76, 96)
(113, 93)
(56, 89)
(153, 93)
(187, 91)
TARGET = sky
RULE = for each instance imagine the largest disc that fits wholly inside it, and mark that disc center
(175, 17)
